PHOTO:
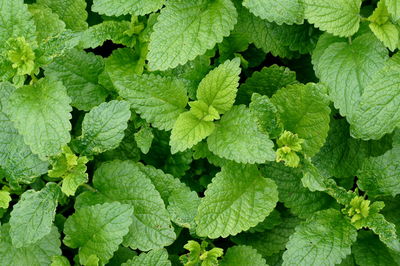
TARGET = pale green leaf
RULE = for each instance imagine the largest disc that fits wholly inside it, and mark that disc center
(242, 256)
(125, 182)
(59, 261)
(393, 8)
(379, 113)
(5, 199)
(72, 12)
(17, 161)
(124, 7)
(144, 137)
(16, 21)
(286, 11)
(38, 254)
(98, 230)
(237, 137)
(32, 217)
(189, 130)
(347, 69)
(324, 239)
(238, 198)
(79, 73)
(387, 33)
(186, 29)
(304, 110)
(103, 127)
(47, 23)
(41, 113)
(219, 87)
(159, 100)
(339, 17)
(157, 257)
(379, 175)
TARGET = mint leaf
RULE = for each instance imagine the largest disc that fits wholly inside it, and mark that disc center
(16, 22)
(251, 198)
(185, 30)
(32, 217)
(241, 256)
(339, 17)
(103, 127)
(37, 254)
(72, 12)
(218, 89)
(238, 138)
(393, 8)
(98, 230)
(154, 257)
(79, 73)
(378, 112)
(136, 7)
(125, 182)
(188, 131)
(41, 113)
(378, 175)
(159, 100)
(347, 80)
(286, 11)
(17, 161)
(4, 199)
(325, 238)
(304, 111)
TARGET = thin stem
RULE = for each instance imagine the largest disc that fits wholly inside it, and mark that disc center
(89, 187)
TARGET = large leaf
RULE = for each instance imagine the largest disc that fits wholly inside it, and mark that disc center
(124, 7)
(238, 198)
(186, 29)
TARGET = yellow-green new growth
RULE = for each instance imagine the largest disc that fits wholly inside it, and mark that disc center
(198, 255)
(21, 56)
(289, 144)
(358, 209)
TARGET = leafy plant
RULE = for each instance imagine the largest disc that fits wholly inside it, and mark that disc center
(201, 132)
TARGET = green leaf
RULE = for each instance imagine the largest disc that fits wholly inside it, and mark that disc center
(347, 69)
(5, 199)
(325, 238)
(237, 137)
(266, 82)
(219, 87)
(185, 30)
(304, 110)
(72, 12)
(17, 161)
(341, 156)
(378, 176)
(299, 199)
(98, 230)
(125, 182)
(79, 73)
(368, 250)
(339, 17)
(286, 11)
(41, 113)
(59, 261)
(189, 130)
(71, 168)
(38, 254)
(242, 256)
(144, 137)
(47, 23)
(378, 113)
(154, 257)
(393, 8)
(267, 115)
(271, 241)
(124, 7)
(16, 21)
(96, 35)
(32, 217)
(238, 198)
(159, 100)
(103, 127)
